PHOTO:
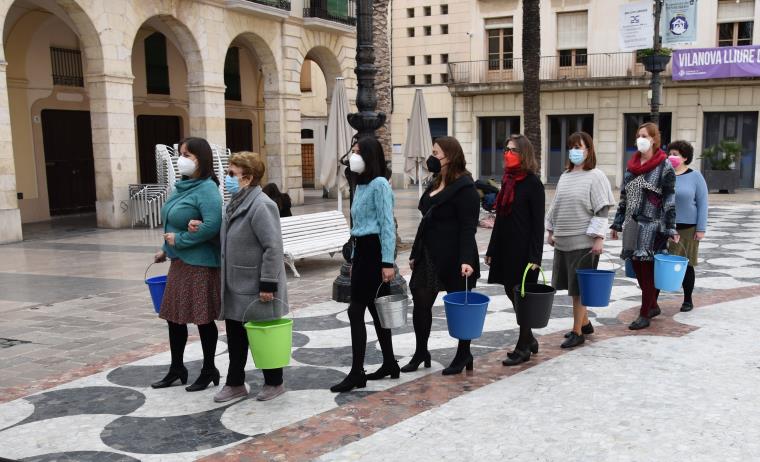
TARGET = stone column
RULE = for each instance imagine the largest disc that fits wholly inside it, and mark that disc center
(282, 117)
(207, 113)
(113, 143)
(10, 216)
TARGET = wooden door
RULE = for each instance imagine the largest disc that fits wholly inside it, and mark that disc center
(69, 164)
(307, 165)
(153, 130)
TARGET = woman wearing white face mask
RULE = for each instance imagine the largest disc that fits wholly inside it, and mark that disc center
(646, 215)
(576, 225)
(192, 292)
(374, 232)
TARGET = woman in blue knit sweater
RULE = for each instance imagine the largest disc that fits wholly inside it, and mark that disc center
(374, 233)
(691, 212)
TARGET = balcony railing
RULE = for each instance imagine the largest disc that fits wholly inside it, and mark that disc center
(281, 4)
(342, 11)
(553, 68)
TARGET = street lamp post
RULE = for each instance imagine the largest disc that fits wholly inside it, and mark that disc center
(656, 85)
(365, 121)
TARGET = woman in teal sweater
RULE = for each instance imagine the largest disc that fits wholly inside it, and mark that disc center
(193, 291)
(374, 233)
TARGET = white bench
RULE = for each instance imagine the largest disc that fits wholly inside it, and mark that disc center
(313, 234)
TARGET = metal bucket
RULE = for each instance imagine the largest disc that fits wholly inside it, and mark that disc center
(392, 310)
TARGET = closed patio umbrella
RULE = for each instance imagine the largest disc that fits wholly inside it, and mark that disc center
(419, 141)
(337, 143)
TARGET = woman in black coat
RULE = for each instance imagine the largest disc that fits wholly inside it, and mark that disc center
(444, 250)
(518, 233)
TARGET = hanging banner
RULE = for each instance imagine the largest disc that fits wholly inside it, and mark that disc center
(636, 26)
(716, 63)
(678, 22)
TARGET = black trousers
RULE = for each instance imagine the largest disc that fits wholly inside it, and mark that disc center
(366, 283)
(237, 346)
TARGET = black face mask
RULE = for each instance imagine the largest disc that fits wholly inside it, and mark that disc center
(433, 164)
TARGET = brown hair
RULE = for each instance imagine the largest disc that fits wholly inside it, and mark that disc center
(589, 163)
(454, 154)
(654, 132)
(202, 151)
(525, 149)
(251, 165)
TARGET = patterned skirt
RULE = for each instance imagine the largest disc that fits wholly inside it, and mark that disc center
(192, 295)
(425, 274)
(688, 246)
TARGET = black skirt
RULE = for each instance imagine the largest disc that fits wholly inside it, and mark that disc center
(366, 271)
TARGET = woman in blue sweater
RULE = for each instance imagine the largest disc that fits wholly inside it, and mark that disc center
(374, 233)
(691, 212)
(193, 291)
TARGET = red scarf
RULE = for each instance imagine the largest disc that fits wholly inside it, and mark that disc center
(506, 195)
(637, 168)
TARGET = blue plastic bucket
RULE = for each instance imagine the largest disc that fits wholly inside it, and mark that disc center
(156, 286)
(629, 271)
(669, 271)
(595, 285)
(465, 314)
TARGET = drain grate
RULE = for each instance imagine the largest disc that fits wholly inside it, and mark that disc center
(11, 342)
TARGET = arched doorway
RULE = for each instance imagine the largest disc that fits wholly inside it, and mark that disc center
(244, 98)
(48, 103)
(161, 100)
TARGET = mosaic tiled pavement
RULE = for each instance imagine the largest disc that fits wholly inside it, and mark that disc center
(113, 414)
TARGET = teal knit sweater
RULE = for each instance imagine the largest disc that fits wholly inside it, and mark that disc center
(372, 211)
(194, 200)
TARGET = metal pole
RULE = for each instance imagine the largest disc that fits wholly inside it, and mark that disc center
(656, 85)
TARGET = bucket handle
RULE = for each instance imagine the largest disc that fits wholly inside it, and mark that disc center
(377, 292)
(525, 274)
(683, 247)
(615, 267)
(145, 276)
(245, 313)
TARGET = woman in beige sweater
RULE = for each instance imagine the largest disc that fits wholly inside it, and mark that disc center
(576, 224)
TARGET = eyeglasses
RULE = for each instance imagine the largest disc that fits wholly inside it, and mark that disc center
(515, 150)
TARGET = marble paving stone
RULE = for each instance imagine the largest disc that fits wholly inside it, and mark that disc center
(82, 456)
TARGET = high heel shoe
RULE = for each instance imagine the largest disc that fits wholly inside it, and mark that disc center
(458, 365)
(386, 370)
(516, 357)
(203, 380)
(352, 380)
(172, 376)
(534, 346)
(415, 362)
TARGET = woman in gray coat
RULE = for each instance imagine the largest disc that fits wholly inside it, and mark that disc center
(254, 283)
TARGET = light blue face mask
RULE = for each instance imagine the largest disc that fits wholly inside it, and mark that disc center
(231, 184)
(576, 156)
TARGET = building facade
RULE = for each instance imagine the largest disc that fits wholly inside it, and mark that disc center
(471, 74)
(88, 87)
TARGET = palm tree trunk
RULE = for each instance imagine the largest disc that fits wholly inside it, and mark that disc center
(531, 51)
(383, 78)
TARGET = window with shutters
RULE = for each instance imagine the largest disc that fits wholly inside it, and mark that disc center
(735, 22)
(156, 65)
(500, 34)
(306, 76)
(66, 65)
(232, 75)
(572, 38)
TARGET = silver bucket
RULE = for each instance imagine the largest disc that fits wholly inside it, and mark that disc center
(392, 310)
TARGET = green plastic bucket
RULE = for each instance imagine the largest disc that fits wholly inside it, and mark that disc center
(270, 342)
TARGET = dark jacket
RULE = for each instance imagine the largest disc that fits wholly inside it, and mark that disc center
(447, 231)
(518, 238)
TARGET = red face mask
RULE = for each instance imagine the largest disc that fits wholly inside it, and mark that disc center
(511, 159)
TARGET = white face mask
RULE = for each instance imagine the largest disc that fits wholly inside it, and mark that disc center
(356, 164)
(643, 144)
(186, 166)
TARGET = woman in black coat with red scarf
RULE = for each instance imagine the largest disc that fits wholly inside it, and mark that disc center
(444, 250)
(518, 233)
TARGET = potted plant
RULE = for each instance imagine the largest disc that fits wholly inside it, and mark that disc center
(720, 166)
(654, 60)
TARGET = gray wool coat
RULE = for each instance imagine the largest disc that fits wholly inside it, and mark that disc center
(252, 261)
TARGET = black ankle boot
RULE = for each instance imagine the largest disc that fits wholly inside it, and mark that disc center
(352, 380)
(415, 362)
(172, 376)
(207, 376)
(458, 364)
(385, 370)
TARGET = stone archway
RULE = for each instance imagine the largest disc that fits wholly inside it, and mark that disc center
(25, 94)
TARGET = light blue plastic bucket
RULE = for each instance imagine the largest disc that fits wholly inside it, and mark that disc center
(669, 271)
